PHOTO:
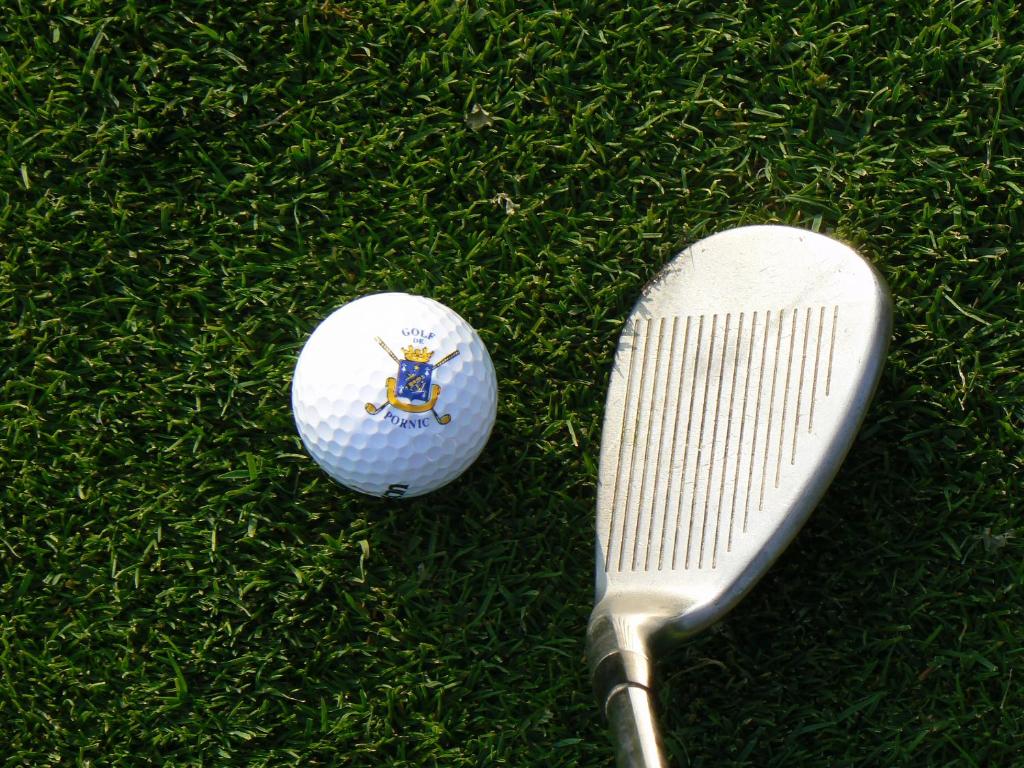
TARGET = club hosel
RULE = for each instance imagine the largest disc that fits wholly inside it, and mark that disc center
(619, 670)
(622, 671)
(617, 655)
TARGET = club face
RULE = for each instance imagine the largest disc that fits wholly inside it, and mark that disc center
(739, 383)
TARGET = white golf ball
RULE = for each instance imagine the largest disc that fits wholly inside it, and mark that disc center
(394, 395)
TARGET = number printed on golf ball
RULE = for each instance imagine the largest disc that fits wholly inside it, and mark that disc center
(394, 395)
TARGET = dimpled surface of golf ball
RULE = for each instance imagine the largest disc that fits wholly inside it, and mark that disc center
(394, 395)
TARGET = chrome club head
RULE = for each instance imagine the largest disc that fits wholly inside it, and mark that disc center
(739, 383)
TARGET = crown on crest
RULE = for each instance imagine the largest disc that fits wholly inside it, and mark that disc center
(417, 354)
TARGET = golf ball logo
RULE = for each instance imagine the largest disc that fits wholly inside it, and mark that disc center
(412, 390)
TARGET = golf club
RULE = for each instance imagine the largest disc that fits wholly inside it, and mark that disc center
(739, 383)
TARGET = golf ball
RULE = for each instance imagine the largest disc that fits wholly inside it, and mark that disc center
(394, 395)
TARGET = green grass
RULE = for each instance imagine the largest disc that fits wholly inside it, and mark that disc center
(187, 188)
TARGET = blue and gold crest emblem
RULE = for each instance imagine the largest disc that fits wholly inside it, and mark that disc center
(412, 390)
(414, 378)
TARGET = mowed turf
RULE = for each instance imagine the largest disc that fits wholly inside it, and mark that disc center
(188, 188)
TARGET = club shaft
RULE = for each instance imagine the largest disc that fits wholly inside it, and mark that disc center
(630, 713)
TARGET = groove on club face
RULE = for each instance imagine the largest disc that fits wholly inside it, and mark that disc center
(691, 470)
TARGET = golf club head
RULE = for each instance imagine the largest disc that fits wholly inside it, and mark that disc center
(739, 383)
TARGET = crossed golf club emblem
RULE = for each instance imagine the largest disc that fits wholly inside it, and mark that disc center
(411, 390)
